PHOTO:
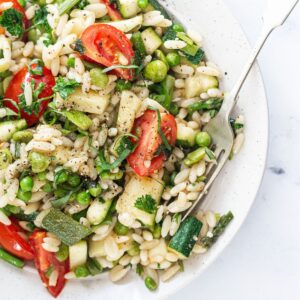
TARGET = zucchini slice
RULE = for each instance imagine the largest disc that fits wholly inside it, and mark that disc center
(8, 128)
(128, 8)
(78, 254)
(97, 211)
(151, 40)
(185, 238)
(198, 84)
(90, 102)
(64, 227)
(129, 105)
(185, 135)
(136, 188)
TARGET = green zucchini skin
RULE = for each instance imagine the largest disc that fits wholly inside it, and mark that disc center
(185, 238)
(64, 227)
(157, 6)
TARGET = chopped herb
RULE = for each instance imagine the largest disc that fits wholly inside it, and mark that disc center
(65, 87)
(119, 67)
(162, 135)
(123, 147)
(139, 270)
(40, 22)
(12, 20)
(34, 107)
(197, 58)
(206, 241)
(210, 154)
(79, 46)
(36, 67)
(146, 203)
(82, 4)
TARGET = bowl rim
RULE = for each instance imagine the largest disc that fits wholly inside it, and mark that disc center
(233, 234)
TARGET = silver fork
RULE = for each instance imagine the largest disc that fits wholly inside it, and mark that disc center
(219, 128)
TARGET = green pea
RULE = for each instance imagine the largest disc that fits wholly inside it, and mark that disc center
(134, 249)
(41, 176)
(24, 196)
(150, 283)
(98, 78)
(39, 162)
(173, 59)
(23, 136)
(194, 157)
(61, 177)
(41, 2)
(71, 62)
(74, 180)
(82, 272)
(83, 198)
(178, 27)
(143, 3)
(121, 229)
(156, 71)
(5, 158)
(26, 184)
(95, 190)
(123, 85)
(157, 231)
(33, 35)
(63, 253)
(203, 139)
(48, 188)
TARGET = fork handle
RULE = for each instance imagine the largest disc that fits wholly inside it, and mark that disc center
(231, 100)
(275, 16)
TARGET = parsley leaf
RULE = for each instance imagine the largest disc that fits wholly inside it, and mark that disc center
(65, 87)
(197, 58)
(40, 22)
(146, 203)
(12, 21)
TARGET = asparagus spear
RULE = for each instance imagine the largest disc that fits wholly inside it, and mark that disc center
(210, 104)
(206, 241)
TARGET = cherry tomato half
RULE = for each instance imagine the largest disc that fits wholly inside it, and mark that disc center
(15, 89)
(112, 10)
(18, 7)
(104, 44)
(11, 240)
(146, 128)
(45, 260)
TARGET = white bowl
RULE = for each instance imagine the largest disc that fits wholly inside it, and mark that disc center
(235, 189)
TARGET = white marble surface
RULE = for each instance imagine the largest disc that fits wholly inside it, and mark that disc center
(263, 261)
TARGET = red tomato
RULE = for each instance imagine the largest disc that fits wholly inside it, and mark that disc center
(146, 128)
(15, 89)
(11, 241)
(17, 6)
(112, 10)
(44, 260)
(103, 44)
